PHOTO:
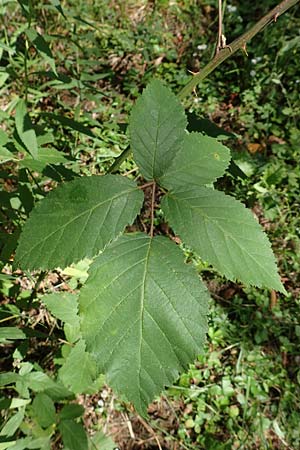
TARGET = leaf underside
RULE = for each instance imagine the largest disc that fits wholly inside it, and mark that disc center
(143, 315)
(224, 233)
(157, 128)
(200, 160)
(77, 220)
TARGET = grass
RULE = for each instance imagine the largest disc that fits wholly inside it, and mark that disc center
(243, 392)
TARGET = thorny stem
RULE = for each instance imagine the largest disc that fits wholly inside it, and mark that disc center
(237, 44)
(222, 55)
(152, 208)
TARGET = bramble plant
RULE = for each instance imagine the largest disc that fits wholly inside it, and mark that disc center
(142, 309)
(140, 317)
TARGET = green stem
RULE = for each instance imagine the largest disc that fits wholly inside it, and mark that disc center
(118, 161)
(221, 56)
(26, 71)
(26, 53)
(237, 44)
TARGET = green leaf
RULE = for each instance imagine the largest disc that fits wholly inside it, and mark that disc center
(6, 155)
(10, 334)
(46, 156)
(79, 371)
(62, 305)
(18, 402)
(101, 442)
(28, 443)
(77, 220)
(42, 47)
(57, 5)
(3, 138)
(25, 129)
(157, 128)
(6, 445)
(203, 125)
(71, 411)
(44, 410)
(143, 315)
(73, 435)
(37, 381)
(13, 424)
(8, 378)
(200, 160)
(71, 123)
(3, 77)
(224, 233)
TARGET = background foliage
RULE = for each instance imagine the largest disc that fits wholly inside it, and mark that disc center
(80, 66)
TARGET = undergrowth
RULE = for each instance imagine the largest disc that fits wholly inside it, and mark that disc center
(243, 392)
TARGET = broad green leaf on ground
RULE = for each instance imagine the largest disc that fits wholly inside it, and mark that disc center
(200, 160)
(77, 220)
(25, 129)
(79, 371)
(46, 156)
(157, 128)
(64, 306)
(143, 315)
(42, 47)
(44, 410)
(73, 435)
(224, 233)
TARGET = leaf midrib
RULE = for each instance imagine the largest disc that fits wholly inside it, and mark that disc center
(142, 312)
(89, 210)
(243, 250)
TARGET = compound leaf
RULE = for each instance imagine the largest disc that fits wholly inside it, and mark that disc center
(77, 220)
(224, 233)
(200, 160)
(143, 315)
(157, 128)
